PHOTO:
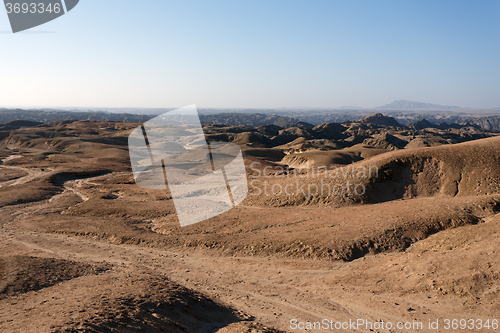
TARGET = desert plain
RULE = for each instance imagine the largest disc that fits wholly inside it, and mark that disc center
(413, 237)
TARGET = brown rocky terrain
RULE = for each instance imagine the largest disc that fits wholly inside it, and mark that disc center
(413, 237)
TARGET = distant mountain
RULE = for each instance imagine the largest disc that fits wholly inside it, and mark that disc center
(420, 124)
(404, 104)
(380, 119)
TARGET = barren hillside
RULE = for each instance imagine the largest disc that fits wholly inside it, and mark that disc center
(86, 249)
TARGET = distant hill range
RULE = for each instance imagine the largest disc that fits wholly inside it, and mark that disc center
(486, 120)
(405, 104)
(46, 116)
(230, 119)
(287, 136)
(252, 120)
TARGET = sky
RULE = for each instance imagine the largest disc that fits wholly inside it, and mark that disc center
(255, 54)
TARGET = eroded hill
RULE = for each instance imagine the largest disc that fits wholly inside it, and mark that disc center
(412, 237)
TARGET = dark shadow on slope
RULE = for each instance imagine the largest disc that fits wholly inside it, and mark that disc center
(21, 274)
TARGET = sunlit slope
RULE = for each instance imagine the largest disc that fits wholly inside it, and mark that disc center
(471, 168)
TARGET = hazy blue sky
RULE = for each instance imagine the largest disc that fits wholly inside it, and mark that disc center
(157, 53)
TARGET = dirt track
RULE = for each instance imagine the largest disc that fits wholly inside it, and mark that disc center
(31, 173)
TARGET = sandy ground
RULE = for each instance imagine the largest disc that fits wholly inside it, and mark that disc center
(270, 289)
